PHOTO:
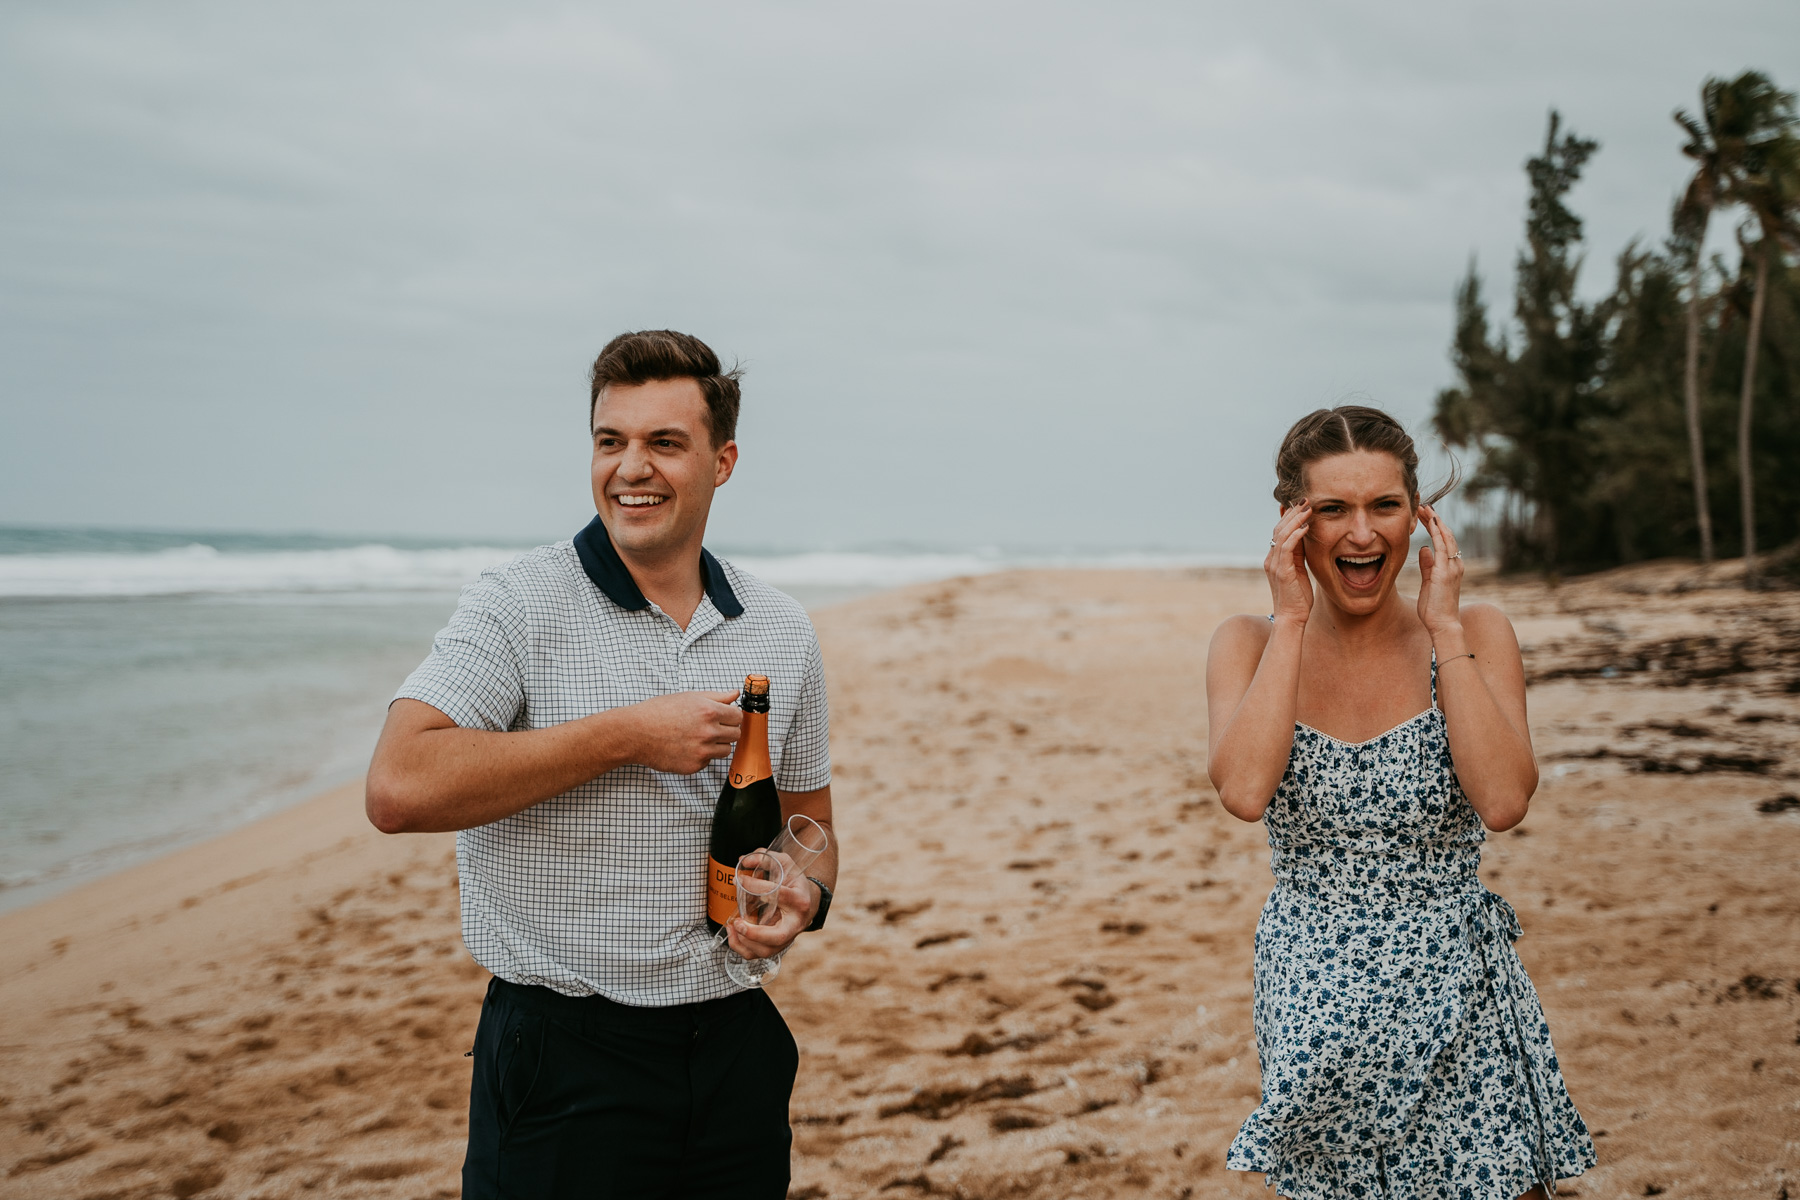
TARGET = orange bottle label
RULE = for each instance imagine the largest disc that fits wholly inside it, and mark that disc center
(750, 762)
(721, 891)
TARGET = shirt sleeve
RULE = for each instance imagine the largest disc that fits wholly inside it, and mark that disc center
(475, 673)
(806, 754)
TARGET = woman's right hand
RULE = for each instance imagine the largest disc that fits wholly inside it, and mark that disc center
(1290, 587)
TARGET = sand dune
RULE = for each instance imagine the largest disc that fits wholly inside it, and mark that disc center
(1037, 977)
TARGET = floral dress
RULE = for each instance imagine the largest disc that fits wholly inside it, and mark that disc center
(1404, 1052)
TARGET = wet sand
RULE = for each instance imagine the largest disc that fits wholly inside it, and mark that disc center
(1037, 977)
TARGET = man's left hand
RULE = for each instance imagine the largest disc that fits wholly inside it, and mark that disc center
(798, 901)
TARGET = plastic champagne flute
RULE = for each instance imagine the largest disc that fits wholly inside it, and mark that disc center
(802, 840)
(760, 875)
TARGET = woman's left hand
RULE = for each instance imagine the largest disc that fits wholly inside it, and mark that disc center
(1441, 573)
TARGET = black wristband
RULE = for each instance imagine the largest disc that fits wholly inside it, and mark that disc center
(818, 921)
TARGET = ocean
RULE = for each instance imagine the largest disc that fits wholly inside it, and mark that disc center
(157, 688)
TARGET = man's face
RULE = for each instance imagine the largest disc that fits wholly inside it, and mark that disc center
(655, 466)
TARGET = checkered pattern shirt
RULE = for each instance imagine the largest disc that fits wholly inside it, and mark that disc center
(603, 888)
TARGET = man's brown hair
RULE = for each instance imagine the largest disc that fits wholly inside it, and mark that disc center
(652, 354)
(1328, 431)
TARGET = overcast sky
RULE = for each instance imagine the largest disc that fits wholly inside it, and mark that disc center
(1027, 274)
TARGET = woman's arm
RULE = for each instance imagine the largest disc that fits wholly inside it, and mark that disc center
(1483, 699)
(1253, 679)
(1252, 676)
(1481, 687)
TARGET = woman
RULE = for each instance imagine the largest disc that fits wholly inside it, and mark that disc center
(1403, 1048)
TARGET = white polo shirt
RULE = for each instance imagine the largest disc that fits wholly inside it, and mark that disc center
(603, 888)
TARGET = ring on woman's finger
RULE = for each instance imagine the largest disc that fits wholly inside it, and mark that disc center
(1458, 554)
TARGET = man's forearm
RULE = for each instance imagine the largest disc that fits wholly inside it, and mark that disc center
(825, 869)
(431, 780)
(430, 775)
(817, 806)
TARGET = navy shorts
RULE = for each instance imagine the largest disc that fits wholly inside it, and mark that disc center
(582, 1096)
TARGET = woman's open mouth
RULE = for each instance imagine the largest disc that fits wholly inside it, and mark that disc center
(1360, 572)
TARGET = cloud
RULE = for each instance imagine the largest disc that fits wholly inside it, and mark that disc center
(1001, 272)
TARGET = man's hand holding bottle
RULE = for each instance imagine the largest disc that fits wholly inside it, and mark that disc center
(682, 732)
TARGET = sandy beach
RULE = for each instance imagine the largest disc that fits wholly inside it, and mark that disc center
(1036, 980)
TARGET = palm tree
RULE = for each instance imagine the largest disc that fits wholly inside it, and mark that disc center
(1768, 184)
(1736, 117)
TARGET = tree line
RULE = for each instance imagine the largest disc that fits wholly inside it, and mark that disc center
(1661, 419)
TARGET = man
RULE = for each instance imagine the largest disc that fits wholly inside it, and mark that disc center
(570, 724)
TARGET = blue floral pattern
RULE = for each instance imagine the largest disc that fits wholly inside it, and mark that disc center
(1404, 1051)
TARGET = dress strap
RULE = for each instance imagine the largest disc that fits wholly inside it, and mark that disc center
(1434, 703)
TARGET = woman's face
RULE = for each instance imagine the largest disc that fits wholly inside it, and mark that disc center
(1362, 526)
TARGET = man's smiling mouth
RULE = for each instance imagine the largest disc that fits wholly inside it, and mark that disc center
(640, 501)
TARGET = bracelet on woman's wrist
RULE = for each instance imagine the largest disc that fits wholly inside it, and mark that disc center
(1453, 658)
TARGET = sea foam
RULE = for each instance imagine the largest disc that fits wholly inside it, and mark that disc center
(201, 569)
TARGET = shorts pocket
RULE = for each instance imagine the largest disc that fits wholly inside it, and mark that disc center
(521, 1061)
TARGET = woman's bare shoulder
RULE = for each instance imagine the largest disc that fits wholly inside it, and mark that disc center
(1246, 631)
(1488, 630)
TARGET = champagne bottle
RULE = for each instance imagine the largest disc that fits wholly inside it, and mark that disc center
(748, 815)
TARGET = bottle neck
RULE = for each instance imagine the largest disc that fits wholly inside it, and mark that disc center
(750, 761)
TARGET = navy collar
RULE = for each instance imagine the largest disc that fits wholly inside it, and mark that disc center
(610, 574)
